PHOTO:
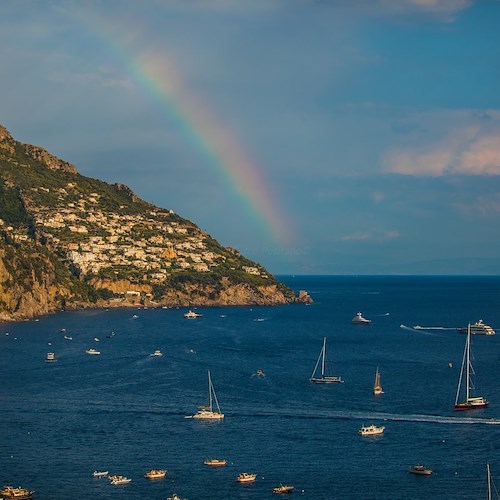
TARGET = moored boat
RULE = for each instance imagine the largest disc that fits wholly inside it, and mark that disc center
(50, 357)
(283, 488)
(469, 402)
(175, 496)
(19, 493)
(120, 480)
(371, 430)
(420, 470)
(210, 412)
(377, 388)
(156, 474)
(93, 352)
(215, 462)
(98, 473)
(191, 315)
(320, 376)
(359, 320)
(478, 328)
(246, 478)
(157, 353)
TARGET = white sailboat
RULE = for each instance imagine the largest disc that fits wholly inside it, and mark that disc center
(469, 402)
(209, 412)
(322, 377)
(377, 388)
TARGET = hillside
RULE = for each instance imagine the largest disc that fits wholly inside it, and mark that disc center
(70, 241)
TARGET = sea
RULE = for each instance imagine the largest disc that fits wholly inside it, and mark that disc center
(124, 410)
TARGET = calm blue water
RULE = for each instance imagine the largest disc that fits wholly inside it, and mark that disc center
(124, 410)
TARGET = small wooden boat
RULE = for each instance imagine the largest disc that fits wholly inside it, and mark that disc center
(283, 488)
(246, 478)
(420, 470)
(98, 473)
(19, 493)
(156, 474)
(215, 462)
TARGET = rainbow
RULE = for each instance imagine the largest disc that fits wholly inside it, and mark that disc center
(215, 143)
(161, 80)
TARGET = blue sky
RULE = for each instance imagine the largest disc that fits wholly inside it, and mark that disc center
(374, 126)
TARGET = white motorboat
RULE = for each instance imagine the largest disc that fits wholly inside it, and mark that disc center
(191, 315)
(93, 352)
(119, 480)
(98, 473)
(371, 430)
(157, 353)
(50, 357)
(478, 328)
(359, 320)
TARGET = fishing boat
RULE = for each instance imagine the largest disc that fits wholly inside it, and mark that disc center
(469, 402)
(246, 478)
(156, 474)
(283, 488)
(18, 493)
(322, 377)
(98, 473)
(359, 320)
(191, 315)
(50, 357)
(377, 388)
(420, 470)
(209, 412)
(93, 352)
(371, 430)
(215, 462)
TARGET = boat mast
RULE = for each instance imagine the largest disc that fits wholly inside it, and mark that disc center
(489, 480)
(468, 365)
(209, 391)
(464, 357)
(323, 360)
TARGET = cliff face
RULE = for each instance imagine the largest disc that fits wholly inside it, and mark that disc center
(69, 241)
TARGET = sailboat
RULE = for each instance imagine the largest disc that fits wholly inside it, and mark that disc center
(323, 378)
(208, 412)
(470, 402)
(377, 388)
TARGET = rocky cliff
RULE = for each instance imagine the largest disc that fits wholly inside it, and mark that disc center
(70, 241)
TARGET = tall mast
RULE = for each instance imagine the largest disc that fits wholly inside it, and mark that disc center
(323, 360)
(468, 365)
(209, 391)
(489, 480)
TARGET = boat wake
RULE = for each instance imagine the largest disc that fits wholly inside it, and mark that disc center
(426, 328)
(355, 415)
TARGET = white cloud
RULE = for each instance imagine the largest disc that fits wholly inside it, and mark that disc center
(470, 148)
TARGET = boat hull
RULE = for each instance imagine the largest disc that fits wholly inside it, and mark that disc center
(471, 406)
(420, 471)
(326, 380)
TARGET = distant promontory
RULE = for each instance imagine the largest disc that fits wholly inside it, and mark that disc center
(68, 241)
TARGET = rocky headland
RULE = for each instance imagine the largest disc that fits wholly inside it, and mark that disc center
(68, 241)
